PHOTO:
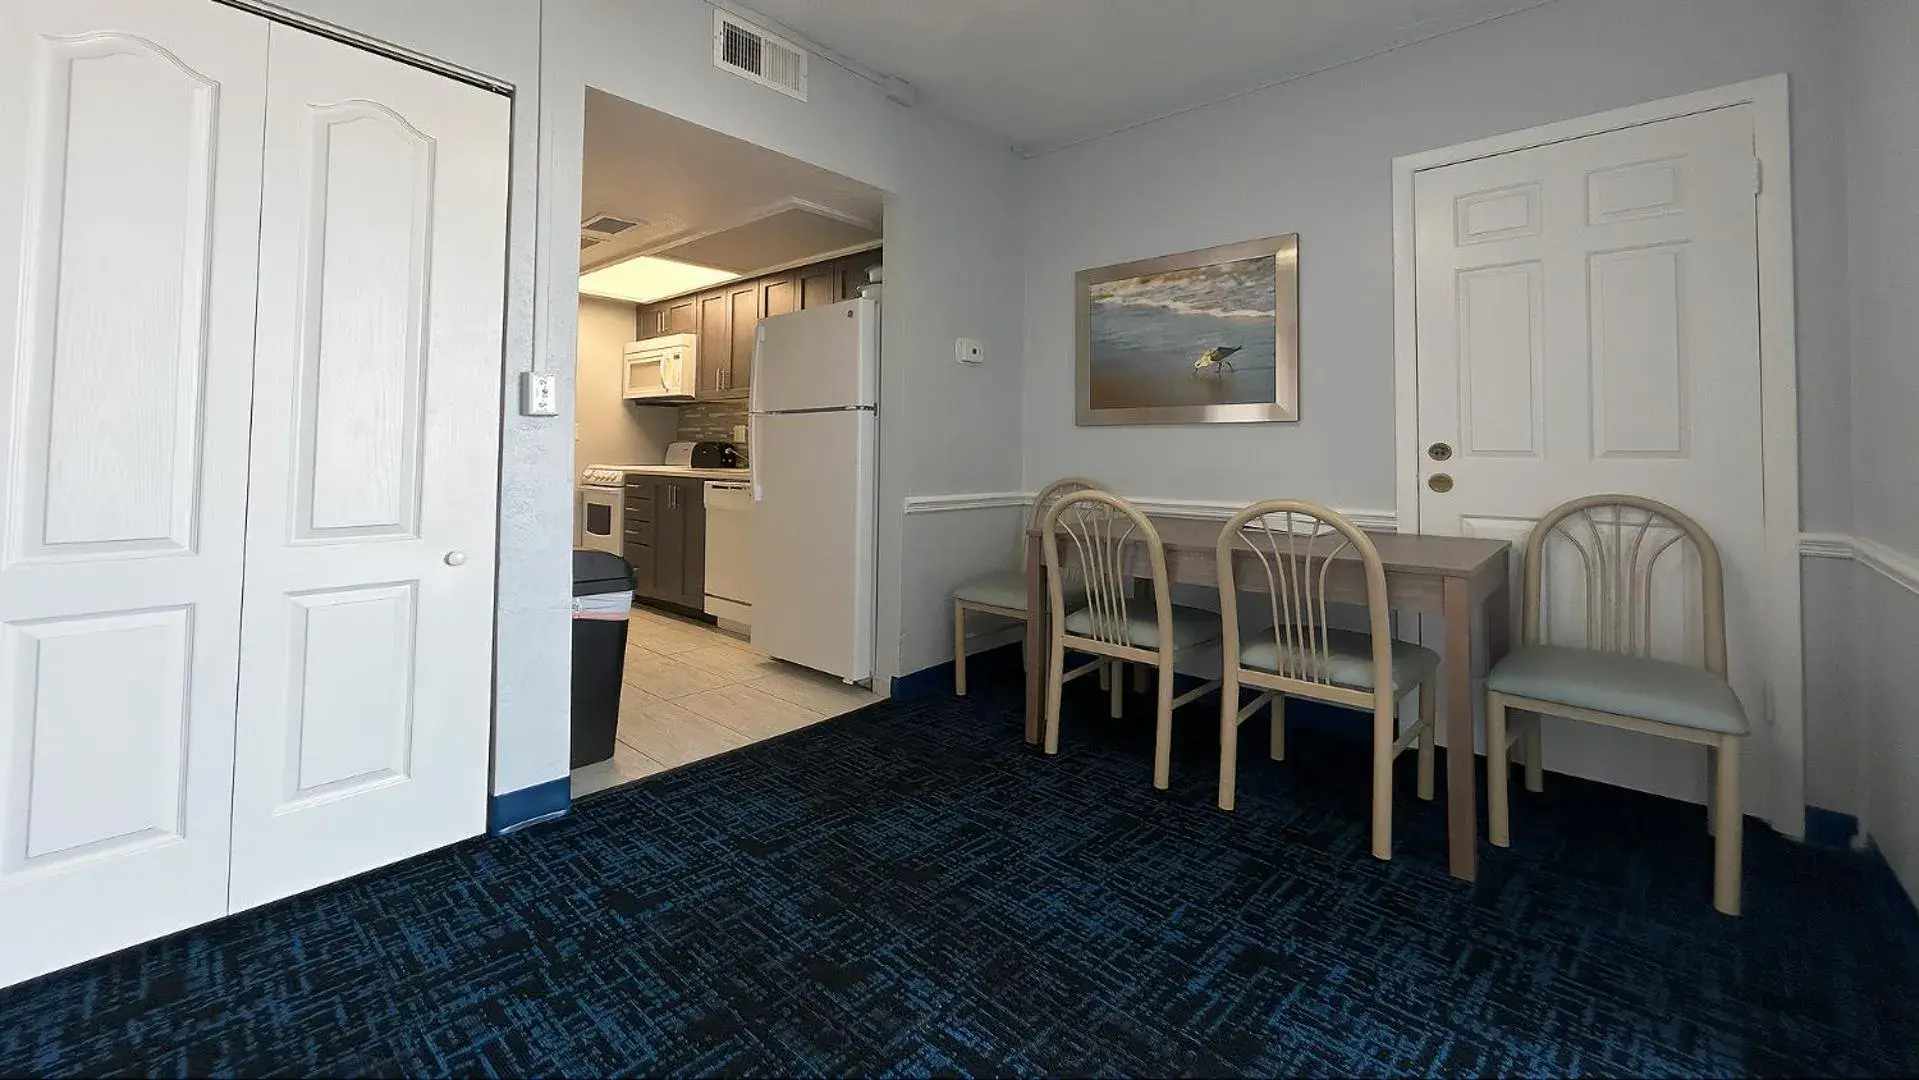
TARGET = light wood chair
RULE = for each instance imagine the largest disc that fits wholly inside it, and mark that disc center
(1295, 545)
(1612, 679)
(1003, 592)
(1089, 534)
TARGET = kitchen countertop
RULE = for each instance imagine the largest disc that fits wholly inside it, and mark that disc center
(694, 474)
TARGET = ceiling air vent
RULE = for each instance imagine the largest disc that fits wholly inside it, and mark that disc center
(756, 55)
(605, 226)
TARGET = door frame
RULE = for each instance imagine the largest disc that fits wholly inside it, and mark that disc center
(1778, 371)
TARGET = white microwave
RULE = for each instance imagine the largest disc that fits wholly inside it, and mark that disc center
(661, 368)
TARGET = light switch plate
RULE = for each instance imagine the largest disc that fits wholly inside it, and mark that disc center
(539, 393)
(968, 351)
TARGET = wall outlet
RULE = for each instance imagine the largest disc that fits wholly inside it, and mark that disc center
(739, 432)
(968, 351)
(539, 393)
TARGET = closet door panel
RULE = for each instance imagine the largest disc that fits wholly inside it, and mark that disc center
(366, 673)
(129, 211)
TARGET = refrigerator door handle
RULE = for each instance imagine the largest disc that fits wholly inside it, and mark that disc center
(753, 440)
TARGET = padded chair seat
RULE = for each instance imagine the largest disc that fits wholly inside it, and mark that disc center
(1349, 659)
(1002, 588)
(1191, 626)
(1677, 694)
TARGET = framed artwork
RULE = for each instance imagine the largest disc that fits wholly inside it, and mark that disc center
(1202, 337)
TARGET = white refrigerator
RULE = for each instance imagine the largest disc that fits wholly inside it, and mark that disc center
(812, 444)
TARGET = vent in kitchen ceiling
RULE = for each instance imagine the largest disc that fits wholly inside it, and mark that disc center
(756, 55)
(605, 227)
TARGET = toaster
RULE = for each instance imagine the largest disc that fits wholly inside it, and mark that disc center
(715, 455)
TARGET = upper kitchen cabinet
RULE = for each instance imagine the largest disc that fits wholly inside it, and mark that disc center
(819, 285)
(679, 316)
(779, 294)
(743, 319)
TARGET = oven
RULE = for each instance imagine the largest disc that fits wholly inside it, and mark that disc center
(600, 512)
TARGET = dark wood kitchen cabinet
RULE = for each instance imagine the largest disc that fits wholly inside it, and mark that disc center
(819, 285)
(669, 317)
(666, 538)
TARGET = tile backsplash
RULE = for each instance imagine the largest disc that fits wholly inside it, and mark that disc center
(712, 420)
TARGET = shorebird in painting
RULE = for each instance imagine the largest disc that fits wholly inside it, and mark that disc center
(1213, 361)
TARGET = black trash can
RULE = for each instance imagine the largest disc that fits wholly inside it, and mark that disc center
(602, 600)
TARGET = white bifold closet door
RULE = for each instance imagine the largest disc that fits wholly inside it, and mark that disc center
(129, 217)
(245, 569)
(366, 643)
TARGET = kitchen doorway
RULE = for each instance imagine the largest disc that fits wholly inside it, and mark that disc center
(707, 262)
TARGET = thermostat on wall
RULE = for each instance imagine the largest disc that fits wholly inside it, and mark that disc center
(968, 351)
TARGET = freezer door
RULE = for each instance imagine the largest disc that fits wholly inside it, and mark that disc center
(814, 540)
(821, 358)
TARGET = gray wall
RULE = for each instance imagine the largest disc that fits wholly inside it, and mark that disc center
(1882, 140)
(1314, 156)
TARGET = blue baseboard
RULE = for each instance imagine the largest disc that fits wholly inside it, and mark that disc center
(1830, 828)
(528, 806)
(938, 679)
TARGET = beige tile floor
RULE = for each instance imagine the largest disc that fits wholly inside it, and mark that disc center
(693, 690)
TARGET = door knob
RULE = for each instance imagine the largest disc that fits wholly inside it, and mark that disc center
(456, 558)
(1439, 451)
(1440, 482)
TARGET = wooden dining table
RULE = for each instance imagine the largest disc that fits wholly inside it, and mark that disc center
(1459, 579)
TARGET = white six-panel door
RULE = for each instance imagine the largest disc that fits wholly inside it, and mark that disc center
(1588, 322)
(259, 667)
(367, 636)
(129, 208)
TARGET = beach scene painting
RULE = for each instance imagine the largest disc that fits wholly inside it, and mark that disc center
(1203, 337)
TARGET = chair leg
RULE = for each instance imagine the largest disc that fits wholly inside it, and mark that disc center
(1116, 689)
(1052, 696)
(1428, 714)
(1106, 674)
(1141, 674)
(1384, 724)
(1498, 813)
(1727, 863)
(1535, 754)
(1163, 733)
(1228, 736)
(1712, 791)
(1278, 749)
(959, 649)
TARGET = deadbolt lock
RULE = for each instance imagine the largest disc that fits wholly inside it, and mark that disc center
(1439, 451)
(1440, 482)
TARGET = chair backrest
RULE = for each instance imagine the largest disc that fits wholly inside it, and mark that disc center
(1619, 540)
(1044, 501)
(1297, 545)
(1088, 535)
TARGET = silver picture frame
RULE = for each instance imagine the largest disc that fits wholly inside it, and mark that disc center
(1162, 370)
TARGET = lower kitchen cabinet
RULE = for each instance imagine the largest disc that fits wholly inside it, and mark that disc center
(666, 539)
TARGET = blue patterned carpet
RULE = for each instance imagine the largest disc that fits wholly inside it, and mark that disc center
(910, 890)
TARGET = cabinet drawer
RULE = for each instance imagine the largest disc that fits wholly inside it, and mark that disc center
(639, 532)
(641, 511)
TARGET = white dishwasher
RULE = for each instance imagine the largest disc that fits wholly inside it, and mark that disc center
(729, 551)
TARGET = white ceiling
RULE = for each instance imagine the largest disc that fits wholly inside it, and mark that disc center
(1047, 72)
(682, 180)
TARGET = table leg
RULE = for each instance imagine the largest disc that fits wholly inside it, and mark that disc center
(1499, 641)
(1037, 654)
(1456, 673)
